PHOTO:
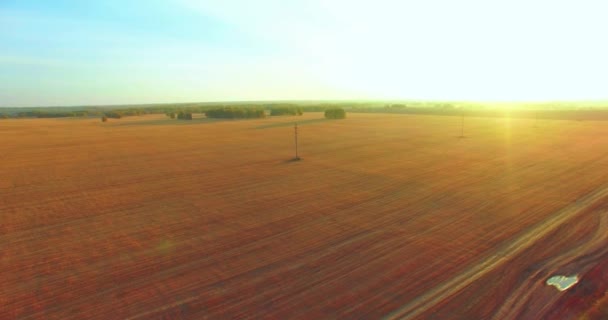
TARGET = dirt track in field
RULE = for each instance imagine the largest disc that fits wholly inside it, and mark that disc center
(146, 217)
(512, 308)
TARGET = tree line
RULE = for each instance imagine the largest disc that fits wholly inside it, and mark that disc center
(284, 111)
(235, 113)
(212, 110)
(335, 113)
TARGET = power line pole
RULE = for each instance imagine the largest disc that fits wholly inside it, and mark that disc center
(295, 128)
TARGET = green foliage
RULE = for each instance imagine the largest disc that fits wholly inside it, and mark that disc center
(182, 115)
(335, 113)
(113, 114)
(51, 114)
(281, 111)
(170, 115)
(130, 112)
(235, 113)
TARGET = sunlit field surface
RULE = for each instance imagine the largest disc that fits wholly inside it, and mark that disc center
(384, 216)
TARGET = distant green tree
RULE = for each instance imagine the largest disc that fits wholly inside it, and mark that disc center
(182, 115)
(235, 113)
(335, 113)
(171, 115)
(280, 111)
(113, 114)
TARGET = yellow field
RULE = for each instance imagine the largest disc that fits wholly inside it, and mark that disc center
(146, 217)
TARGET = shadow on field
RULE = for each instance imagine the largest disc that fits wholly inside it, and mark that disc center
(290, 123)
(293, 160)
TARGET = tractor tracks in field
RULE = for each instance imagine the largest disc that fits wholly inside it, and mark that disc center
(580, 255)
(504, 253)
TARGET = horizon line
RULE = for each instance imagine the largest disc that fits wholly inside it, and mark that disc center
(585, 101)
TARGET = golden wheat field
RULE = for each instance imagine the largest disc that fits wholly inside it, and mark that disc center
(392, 216)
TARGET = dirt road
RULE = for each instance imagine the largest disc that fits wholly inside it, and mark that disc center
(503, 254)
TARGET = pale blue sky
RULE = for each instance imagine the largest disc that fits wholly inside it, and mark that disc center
(117, 52)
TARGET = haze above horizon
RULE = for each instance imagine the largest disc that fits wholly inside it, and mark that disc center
(133, 52)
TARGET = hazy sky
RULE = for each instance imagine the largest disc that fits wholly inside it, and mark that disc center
(64, 52)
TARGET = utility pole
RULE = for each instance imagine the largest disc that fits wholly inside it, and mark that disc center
(295, 128)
